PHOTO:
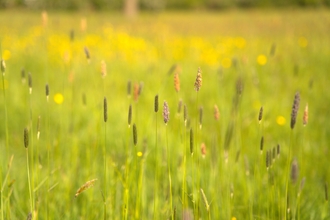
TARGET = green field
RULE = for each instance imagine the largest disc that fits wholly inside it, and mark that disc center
(248, 60)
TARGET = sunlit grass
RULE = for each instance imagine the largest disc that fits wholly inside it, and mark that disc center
(248, 59)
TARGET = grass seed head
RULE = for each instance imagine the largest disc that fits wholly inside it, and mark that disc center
(47, 91)
(29, 216)
(176, 82)
(294, 171)
(172, 69)
(87, 54)
(305, 117)
(295, 107)
(136, 92)
(268, 159)
(105, 109)
(129, 115)
(198, 82)
(30, 82)
(261, 144)
(166, 112)
(185, 115)
(216, 112)
(260, 114)
(156, 104)
(134, 135)
(23, 75)
(191, 141)
(86, 186)
(3, 67)
(26, 138)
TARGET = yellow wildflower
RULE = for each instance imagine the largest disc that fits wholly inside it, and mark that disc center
(58, 98)
(262, 60)
(280, 120)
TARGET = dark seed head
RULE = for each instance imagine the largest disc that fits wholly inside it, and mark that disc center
(87, 53)
(29, 216)
(191, 141)
(156, 103)
(295, 107)
(26, 138)
(268, 159)
(105, 108)
(47, 90)
(294, 171)
(134, 135)
(30, 82)
(185, 115)
(260, 114)
(261, 144)
(3, 67)
(129, 115)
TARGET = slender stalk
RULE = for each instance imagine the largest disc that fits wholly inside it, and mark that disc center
(31, 139)
(184, 163)
(126, 204)
(29, 180)
(26, 145)
(105, 160)
(288, 173)
(6, 121)
(196, 161)
(48, 159)
(156, 160)
(169, 173)
(137, 213)
(5, 102)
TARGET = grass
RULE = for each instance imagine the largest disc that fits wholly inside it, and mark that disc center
(248, 59)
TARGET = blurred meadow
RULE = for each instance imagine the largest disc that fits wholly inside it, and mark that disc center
(82, 102)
